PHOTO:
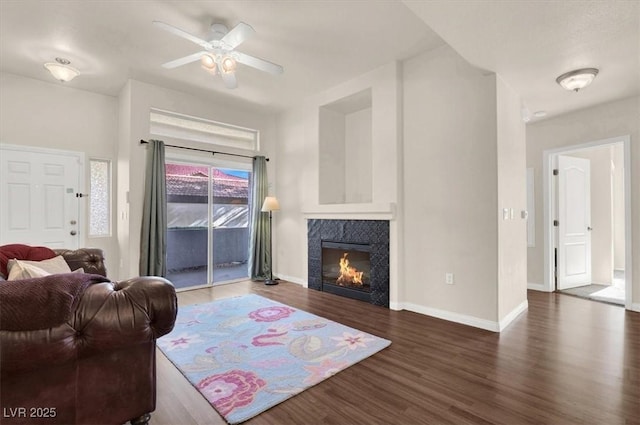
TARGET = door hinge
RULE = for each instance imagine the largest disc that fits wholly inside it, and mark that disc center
(556, 223)
(555, 172)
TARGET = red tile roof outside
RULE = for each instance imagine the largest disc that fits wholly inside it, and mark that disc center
(189, 180)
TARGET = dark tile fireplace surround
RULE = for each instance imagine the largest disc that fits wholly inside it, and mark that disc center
(367, 241)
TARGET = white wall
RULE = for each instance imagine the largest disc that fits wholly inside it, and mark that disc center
(436, 157)
(597, 123)
(358, 170)
(331, 151)
(345, 152)
(450, 186)
(139, 98)
(55, 116)
(512, 233)
(299, 182)
(296, 180)
(618, 207)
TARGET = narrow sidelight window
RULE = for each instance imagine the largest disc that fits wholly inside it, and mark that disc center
(100, 198)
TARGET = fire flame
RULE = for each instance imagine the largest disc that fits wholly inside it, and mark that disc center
(348, 275)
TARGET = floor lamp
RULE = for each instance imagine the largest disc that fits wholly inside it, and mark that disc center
(270, 205)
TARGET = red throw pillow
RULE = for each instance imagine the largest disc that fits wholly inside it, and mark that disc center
(22, 252)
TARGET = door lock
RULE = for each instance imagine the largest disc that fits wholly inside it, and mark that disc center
(72, 222)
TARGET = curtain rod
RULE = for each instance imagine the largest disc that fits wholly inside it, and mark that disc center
(144, 142)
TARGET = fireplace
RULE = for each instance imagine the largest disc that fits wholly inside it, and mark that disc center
(350, 258)
(346, 268)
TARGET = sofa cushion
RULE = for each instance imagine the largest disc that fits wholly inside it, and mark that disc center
(22, 252)
(25, 269)
(19, 271)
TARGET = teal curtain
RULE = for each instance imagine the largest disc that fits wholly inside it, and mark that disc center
(259, 246)
(153, 240)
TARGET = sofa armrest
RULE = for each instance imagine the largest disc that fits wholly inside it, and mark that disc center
(133, 311)
(156, 296)
(109, 316)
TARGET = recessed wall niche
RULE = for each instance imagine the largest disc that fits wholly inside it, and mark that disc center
(345, 133)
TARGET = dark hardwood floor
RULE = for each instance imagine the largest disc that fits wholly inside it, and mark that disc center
(564, 361)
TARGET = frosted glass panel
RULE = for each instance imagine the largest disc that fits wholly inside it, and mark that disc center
(99, 198)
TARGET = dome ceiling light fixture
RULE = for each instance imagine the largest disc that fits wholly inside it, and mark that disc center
(578, 79)
(61, 70)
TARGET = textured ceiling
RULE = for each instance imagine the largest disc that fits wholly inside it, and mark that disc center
(324, 43)
(319, 43)
(530, 43)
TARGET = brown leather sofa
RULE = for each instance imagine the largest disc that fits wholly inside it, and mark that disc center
(99, 366)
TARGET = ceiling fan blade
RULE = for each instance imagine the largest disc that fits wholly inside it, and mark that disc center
(183, 61)
(229, 79)
(258, 63)
(237, 35)
(181, 33)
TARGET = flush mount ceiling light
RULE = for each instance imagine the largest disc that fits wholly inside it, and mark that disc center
(61, 70)
(578, 79)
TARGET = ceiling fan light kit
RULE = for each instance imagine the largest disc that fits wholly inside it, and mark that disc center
(219, 55)
(61, 70)
(228, 64)
(208, 62)
(577, 79)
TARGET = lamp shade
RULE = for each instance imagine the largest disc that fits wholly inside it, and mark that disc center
(270, 204)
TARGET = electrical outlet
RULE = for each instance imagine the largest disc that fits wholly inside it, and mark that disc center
(448, 278)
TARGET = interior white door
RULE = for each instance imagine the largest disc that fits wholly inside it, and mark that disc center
(574, 228)
(39, 204)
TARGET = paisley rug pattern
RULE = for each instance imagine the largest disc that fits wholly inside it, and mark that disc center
(246, 354)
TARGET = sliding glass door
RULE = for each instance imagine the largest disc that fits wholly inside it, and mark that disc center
(208, 223)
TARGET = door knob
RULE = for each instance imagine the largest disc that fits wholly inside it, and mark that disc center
(589, 228)
(73, 233)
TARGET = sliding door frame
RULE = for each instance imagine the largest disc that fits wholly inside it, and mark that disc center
(198, 159)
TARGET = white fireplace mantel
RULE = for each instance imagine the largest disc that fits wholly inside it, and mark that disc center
(371, 211)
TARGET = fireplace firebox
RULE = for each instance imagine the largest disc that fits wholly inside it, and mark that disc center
(350, 258)
(346, 268)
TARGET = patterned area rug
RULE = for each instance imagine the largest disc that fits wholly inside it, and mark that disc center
(246, 354)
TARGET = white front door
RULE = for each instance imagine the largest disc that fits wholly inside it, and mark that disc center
(38, 197)
(574, 227)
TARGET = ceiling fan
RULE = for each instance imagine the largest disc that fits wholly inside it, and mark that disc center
(219, 55)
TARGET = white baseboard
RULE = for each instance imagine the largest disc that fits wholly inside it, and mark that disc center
(537, 287)
(635, 307)
(464, 319)
(454, 317)
(291, 279)
(396, 306)
(510, 317)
